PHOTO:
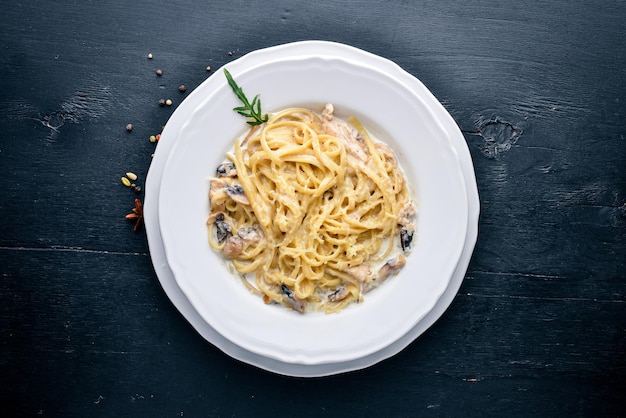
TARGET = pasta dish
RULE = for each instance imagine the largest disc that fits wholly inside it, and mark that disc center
(311, 211)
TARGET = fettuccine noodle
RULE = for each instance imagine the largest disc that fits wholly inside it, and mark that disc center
(311, 211)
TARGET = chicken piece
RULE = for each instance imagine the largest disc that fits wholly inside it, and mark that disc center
(233, 246)
(387, 153)
(343, 131)
(250, 235)
(406, 216)
(360, 272)
(217, 189)
(217, 195)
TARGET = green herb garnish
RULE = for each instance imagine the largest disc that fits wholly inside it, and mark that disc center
(248, 110)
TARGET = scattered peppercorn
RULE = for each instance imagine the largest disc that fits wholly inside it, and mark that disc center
(168, 102)
(137, 189)
(161, 102)
(208, 68)
(230, 53)
(129, 127)
(150, 56)
(159, 72)
(182, 88)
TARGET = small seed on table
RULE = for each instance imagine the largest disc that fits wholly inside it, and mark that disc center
(150, 56)
(131, 176)
(161, 102)
(168, 102)
(159, 72)
(129, 127)
(125, 182)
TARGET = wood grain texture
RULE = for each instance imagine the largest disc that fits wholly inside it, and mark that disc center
(538, 90)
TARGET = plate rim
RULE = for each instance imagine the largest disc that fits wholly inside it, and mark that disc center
(299, 347)
(322, 46)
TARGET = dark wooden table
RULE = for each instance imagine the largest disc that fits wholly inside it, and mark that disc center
(538, 327)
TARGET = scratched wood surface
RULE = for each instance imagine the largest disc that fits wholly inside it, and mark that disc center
(538, 327)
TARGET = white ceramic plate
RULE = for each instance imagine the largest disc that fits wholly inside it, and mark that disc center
(395, 113)
(165, 274)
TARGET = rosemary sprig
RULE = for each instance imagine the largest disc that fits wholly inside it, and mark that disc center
(248, 110)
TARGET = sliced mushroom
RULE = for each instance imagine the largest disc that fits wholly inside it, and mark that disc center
(227, 169)
(338, 295)
(292, 300)
(213, 216)
(406, 237)
(390, 267)
(223, 228)
(236, 193)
